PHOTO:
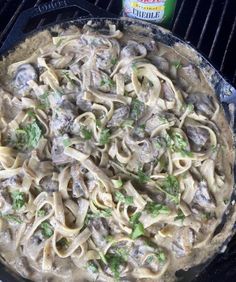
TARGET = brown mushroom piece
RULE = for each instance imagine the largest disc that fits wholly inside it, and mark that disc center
(203, 103)
(79, 188)
(24, 74)
(133, 49)
(48, 184)
(145, 254)
(202, 197)
(183, 242)
(35, 245)
(58, 156)
(63, 118)
(83, 105)
(5, 237)
(23, 266)
(5, 202)
(62, 267)
(188, 75)
(100, 230)
(146, 151)
(118, 116)
(198, 137)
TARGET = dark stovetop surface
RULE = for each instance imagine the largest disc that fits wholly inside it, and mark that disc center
(210, 26)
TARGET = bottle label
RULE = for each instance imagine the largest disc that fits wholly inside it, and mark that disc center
(151, 10)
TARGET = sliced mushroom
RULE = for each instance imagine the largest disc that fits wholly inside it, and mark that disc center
(168, 93)
(198, 137)
(58, 156)
(188, 75)
(35, 245)
(83, 105)
(5, 237)
(133, 49)
(119, 116)
(62, 267)
(63, 118)
(23, 267)
(161, 63)
(203, 197)
(24, 74)
(5, 202)
(100, 230)
(146, 151)
(48, 184)
(79, 188)
(203, 103)
(184, 242)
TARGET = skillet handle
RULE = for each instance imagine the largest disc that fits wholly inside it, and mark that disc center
(17, 33)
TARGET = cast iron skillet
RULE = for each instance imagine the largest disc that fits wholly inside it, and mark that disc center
(226, 93)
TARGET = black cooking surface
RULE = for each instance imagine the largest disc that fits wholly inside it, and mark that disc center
(209, 25)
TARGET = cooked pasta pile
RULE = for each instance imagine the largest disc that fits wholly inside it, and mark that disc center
(111, 167)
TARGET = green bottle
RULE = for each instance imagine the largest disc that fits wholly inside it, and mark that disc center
(156, 11)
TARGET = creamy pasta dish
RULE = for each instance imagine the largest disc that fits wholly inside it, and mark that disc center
(115, 158)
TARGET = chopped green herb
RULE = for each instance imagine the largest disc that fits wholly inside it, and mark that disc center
(134, 68)
(66, 142)
(128, 200)
(28, 136)
(171, 187)
(107, 82)
(59, 42)
(137, 108)
(127, 123)
(226, 201)
(110, 238)
(177, 64)
(180, 216)
(98, 123)
(207, 215)
(41, 107)
(122, 252)
(31, 113)
(87, 134)
(138, 231)
(47, 229)
(190, 107)
(150, 259)
(106, 213)
(44, 99)
(137, 226)
(102, 213)
(12, 218)
(214, 148)
(114, 61)
(134, 219)
(155, 209)
(163, 119)
(41, 213)
(126, 93)
(103, 258)
(180, 145)
(62, 243)
(142, 177)
(161, 257)
(117, 183)
(68, 78)
(18, 199)
(114, 262)
(160, 142)
(92, 267)
(104, 136)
